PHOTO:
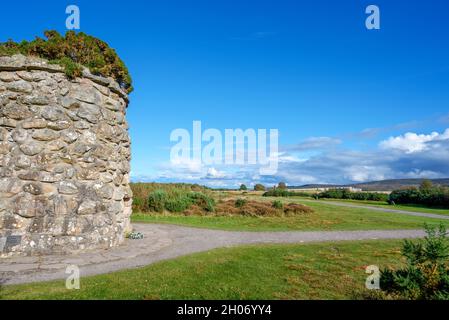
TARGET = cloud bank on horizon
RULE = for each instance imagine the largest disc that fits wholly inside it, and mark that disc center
(325, 160)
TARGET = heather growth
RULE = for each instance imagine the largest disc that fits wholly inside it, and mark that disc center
(73, 51)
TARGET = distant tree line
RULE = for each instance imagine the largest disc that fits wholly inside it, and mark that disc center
(347, 194)
(276, 192)
(427, 195)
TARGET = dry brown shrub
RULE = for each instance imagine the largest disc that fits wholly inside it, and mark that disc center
(296, 208)
(194, 210)
(260, 209)
(227, 208)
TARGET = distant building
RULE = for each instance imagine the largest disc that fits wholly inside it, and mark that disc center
(322, 189)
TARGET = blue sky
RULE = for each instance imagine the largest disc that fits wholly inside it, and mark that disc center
(350, 104)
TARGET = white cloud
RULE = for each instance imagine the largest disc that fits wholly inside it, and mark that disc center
(418, 174)
(287, 157)
(358, 173)
(213, 173)
(187, 165)
(412, 155)
(412, 142)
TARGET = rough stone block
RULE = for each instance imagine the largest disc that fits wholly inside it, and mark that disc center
(64, 160)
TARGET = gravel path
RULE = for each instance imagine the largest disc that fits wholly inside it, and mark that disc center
(163, 242)
(409, 213)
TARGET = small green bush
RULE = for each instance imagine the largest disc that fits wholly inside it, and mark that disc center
(240, 203)
(426, 275)
(157, 200)
(178, 204)
(71, 68)
(202, 200)
(278, 204)
(259, 187)
(138, 204)
(176, 199)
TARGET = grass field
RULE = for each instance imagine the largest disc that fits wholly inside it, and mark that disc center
(325, 217)
(312, 271)
(296, 271)
(411, 208)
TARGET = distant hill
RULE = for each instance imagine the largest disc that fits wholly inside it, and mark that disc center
(315, 186)
(384, 185)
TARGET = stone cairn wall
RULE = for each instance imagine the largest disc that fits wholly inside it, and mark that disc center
(64, 160)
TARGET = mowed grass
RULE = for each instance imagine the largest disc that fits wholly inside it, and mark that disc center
(411, 208)
(382, 204)
(326, 217)
(309, 271)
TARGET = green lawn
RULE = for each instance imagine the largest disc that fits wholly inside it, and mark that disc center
(411, 208)
(312, 271)
(325, 217)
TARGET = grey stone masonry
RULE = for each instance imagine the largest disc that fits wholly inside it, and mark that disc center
(64, 160)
